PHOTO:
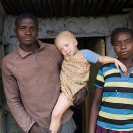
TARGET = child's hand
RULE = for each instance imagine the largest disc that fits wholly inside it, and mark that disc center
(121, 65)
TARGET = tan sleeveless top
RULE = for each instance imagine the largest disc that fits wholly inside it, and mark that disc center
(74, 75)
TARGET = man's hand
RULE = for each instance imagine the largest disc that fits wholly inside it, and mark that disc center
(36, 129)
(80, 96)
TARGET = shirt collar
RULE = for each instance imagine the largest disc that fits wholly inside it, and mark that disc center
(123, 77)
(112, 65)
(24, 53)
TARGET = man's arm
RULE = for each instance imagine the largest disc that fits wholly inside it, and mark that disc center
(13, 100)
(80, 96)
(15, 105)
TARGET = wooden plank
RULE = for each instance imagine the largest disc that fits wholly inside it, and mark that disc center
(63, 7)
(41, 8)
(29, 5)
(50, 8)
(98, 46)
(83, 7)
(7, 8)
(96, 12)
(45, 7)
(34, 3)
(93, 7)
(129, 3)
(59, 7)
(17, 6)
(122, 4)
(9, 4)
(87, 7)
(54, 9)
(79, 4)
(115, 6)
(71, 7)
(22, 4)
(109, 6)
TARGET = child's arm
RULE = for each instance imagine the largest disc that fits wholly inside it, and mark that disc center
(95, 109)
(104, 59)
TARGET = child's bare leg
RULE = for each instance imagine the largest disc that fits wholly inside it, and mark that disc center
(61, 106)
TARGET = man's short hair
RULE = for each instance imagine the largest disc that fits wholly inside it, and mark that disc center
(119, 30)
(26, 15)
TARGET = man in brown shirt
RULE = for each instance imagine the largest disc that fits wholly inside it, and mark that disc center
(31, 80)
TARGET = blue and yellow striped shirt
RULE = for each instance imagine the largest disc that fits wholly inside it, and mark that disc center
(116, 110)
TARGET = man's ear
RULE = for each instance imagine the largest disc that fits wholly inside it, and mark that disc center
(15, 31)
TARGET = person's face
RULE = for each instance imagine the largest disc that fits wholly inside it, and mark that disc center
(67, 46)
(123, 45)
(26, 31)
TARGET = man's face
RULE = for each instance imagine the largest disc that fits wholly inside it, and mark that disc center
(123, 45)
(26, 31)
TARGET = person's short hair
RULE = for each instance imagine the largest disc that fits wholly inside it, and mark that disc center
(26, 15)
(66, 34)
(119, 30)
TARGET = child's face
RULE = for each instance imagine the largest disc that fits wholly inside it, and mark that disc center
(67, 46)
(123, 45)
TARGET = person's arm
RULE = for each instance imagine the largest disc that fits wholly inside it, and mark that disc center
(13, 100)
(104, 59)
(15, 105)
(95, 109)
(80, 96)
(94, 57)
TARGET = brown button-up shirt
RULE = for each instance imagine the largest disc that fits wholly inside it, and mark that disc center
(32, 85)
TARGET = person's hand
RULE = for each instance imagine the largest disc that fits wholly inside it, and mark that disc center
(121, 65)
(80, 96)
(36, 129)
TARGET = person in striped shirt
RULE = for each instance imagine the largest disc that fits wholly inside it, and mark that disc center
(112, 107)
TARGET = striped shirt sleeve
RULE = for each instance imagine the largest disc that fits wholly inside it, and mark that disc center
(99, 82)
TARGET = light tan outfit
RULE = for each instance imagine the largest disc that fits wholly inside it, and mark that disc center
(74, 75)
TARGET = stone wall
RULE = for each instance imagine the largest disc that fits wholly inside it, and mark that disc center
(2, 17)
(81, 27)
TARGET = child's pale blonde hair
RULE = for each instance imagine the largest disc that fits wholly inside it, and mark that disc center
(66, 34)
